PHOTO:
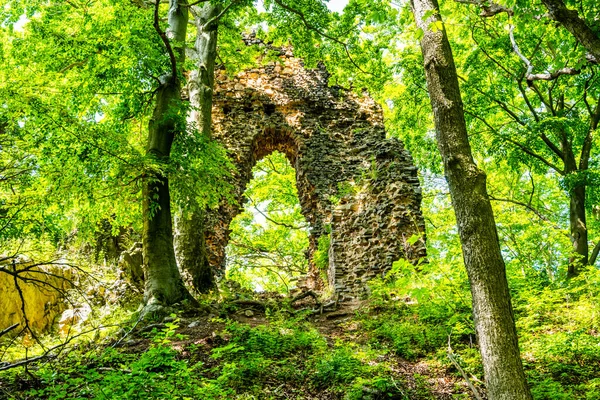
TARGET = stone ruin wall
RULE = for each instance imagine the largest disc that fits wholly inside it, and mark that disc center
(352, 181)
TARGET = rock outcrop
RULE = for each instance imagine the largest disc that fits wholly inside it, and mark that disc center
(131, 264)
(31, 292)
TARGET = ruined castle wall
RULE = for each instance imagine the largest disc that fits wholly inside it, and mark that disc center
(352, 181)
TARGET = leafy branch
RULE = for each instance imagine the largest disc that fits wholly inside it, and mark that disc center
(313, 28)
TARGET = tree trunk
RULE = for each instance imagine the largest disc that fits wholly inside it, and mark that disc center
(191, 250)
(574, 24)
(190, 240)
(492, 310)
(578, 228)
(577, 224)
(164, 285)
(202, 79)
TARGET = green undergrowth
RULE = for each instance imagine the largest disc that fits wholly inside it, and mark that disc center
(412, 316)
(559, 328)
(285, 358)
(558, 321)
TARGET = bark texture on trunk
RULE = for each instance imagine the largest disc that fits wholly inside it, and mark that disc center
(577, 198)
(576, 25)
(492, 310)
(578, 227)
(190, 248)
(190, 240)
(203, 77)
(595, 253)
(164, 285)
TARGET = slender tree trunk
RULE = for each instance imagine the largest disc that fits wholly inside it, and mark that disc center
(574, 24)
(190, 240)
(202, 79)
(577, 221)
(492, 310)
(164, 285)
(191, 250)
(578, 228)
(578, 225)
(594, 255)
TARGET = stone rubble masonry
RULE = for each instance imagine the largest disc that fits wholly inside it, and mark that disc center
(353, 182)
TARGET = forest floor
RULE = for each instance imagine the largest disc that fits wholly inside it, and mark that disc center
(244, 345)
(247, 351)
(421, 377)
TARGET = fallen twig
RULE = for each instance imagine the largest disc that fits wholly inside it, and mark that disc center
(48, 353)
(462, 371)
(10, 328)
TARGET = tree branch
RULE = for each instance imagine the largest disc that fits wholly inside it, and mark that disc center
(217, 17)
(526, 206)
(48, 353)
(491, 9)
(526, 98)
(578, 27)
(273, 221)
(595, 253)
(519, 145)
(552, 146)
(589, 139)
(7, 330)
(165, 40)
(535, 155)
(462, 371)
(499, 103)
(194, 3)
(488, 8)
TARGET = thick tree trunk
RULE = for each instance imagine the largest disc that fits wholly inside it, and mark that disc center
(190, 240)
(492, 308)
(164, 285)
(574, 24)
(163, 281)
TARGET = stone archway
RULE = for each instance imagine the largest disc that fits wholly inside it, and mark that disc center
(352, 181)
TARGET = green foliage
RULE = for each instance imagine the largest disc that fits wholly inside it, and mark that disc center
(294, 353)
(77, 84)
(269, 237)
(321, 255)
(559, 325)
(339, 367)
(423, 311)
(200, 168)
(276, 341)
(351, 44)
(108, 374)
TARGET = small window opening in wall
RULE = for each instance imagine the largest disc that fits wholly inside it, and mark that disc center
(226, 110)
(269, 108)
(269, 238)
